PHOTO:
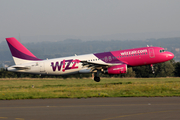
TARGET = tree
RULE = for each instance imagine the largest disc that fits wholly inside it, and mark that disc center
(177, 69)
(143, 71)
(164, 69)
(130, 73)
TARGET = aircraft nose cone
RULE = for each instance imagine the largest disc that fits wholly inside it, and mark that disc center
(170, 55)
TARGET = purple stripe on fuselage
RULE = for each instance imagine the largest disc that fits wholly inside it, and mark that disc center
(19, 54)
(107, 57)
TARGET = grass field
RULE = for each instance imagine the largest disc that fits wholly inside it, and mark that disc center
(35, 88)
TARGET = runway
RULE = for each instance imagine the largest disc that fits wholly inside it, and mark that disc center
(166, 108)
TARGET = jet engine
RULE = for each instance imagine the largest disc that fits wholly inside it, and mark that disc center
(117, 69)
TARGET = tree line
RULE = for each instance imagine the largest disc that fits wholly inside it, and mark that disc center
(166, 69)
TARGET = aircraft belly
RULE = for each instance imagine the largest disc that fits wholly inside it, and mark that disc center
(63, 73)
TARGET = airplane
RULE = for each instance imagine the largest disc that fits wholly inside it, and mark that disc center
(113, 62)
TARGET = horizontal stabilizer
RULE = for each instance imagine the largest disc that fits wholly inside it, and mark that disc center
(21, 67)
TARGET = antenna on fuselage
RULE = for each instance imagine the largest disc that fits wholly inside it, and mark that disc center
(147, 45)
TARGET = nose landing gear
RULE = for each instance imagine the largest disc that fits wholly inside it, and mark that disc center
(152, 68)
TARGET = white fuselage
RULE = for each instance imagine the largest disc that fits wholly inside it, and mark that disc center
(58, 66)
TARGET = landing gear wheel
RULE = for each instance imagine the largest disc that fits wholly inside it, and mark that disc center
(97, 79)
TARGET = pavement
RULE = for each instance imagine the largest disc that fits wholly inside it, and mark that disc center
(125, 108)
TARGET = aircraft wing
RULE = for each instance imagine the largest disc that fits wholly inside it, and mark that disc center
(97, 66)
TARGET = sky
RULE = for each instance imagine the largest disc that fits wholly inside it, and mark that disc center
(87, 17)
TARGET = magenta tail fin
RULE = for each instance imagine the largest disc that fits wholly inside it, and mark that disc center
(20, 53)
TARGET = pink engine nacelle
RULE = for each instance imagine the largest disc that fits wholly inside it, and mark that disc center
(118, 69)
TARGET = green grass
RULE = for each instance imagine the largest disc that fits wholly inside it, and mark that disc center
(21, 88)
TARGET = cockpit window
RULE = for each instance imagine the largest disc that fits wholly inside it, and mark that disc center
(161, 51)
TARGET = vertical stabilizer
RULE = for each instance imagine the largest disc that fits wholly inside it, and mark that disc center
(20, 53)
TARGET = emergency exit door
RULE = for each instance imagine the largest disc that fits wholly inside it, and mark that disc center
(151, 53)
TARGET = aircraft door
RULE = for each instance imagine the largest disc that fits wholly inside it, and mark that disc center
(151, 53)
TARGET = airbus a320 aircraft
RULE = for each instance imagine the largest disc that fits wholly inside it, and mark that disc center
(114, 62)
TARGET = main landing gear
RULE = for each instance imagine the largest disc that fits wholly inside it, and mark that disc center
(96, 76)
(97, 79)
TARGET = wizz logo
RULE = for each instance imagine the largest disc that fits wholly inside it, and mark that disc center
(64, 65)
